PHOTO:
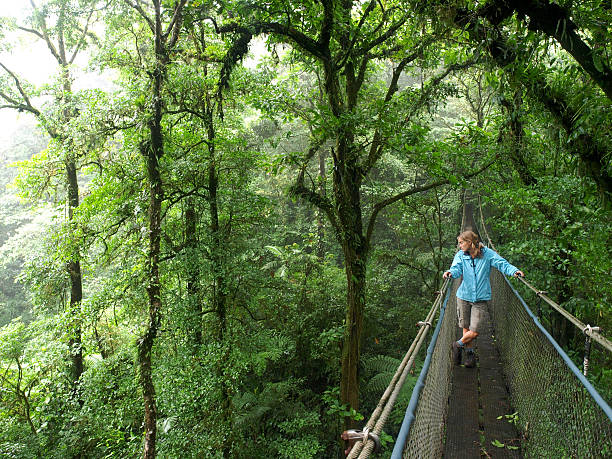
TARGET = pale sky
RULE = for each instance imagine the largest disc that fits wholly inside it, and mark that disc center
(14, 8)
(30, 59)
(26, 59)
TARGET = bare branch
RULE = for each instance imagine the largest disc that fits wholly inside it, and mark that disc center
(310, 195)
(180, 196)
(136, 4)
(377, 147)
(366, 13)
(415, 190)
(175, 23)
(82, 38)
(32, 31)
(44, 34)
(385, 36)
(27, 105)
(293, 35)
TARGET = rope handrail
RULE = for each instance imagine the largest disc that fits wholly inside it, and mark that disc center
(363, 448)
(586, 329)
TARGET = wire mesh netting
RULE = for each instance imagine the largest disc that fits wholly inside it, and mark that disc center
(557, 413)
(427, 431)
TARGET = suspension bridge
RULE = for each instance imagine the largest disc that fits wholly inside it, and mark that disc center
(524, 398)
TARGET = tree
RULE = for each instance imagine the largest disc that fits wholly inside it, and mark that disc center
(165, 37)
(344, 41)
(489, 28)
(64, 27)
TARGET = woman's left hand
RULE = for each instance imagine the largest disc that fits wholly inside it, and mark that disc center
(519, 273)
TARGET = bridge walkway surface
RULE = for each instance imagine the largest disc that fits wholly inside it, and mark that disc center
(480, 417)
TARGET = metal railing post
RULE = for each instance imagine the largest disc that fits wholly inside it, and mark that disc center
(540, 308)
(587, 348)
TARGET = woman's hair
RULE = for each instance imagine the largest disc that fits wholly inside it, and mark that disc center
(474, 240)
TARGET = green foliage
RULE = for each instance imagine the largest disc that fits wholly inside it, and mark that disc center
(247, 358)
(111, 416)
(338, 409)
(33, 382)
(378, 372)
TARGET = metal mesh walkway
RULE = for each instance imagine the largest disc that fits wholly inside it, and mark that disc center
(559, 412)
(480, 421)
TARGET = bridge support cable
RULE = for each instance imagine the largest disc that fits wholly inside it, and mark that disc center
(364, 447)
(483, 227)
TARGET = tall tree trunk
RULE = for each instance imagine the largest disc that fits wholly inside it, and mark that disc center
(76, 285)
(219, 290)
(153, 153)
(145, 344)
(347, 180)
(355, 268)
(347, 177)
(74, 265)
(219, 284)
(193, 280)
(320, 214)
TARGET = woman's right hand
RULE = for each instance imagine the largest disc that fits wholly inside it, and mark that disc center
(447, 275)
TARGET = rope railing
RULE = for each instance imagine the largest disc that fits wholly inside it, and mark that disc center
(586, 329)
(364, 447)
(433, 360)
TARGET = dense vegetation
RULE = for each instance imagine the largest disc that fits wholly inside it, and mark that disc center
(222, 250)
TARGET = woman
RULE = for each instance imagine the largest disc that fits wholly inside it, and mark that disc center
(473, 261)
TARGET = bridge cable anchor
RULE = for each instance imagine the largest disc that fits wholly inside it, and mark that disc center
(588, 329)
(587, 347)
(353, 436)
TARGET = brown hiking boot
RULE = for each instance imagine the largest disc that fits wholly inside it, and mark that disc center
(457, 353)
(470, 359)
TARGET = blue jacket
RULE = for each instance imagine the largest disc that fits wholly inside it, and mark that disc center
(476, 285)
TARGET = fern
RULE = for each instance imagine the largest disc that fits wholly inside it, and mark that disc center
(378, 383)
(381, 364)
(251, 408)
(382, 368)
